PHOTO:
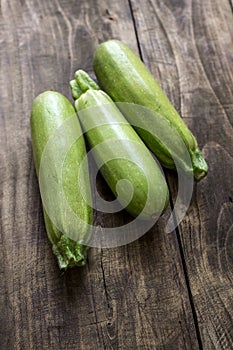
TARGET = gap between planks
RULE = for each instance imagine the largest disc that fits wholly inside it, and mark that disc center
(198, 334)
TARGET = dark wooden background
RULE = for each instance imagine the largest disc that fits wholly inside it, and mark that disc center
(164, 291)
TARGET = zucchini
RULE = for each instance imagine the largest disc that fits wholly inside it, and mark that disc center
(67, 219)
(119, 152)
(127, 80)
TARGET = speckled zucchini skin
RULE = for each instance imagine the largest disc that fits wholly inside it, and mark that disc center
(126, 79)
(50, 110)
(150, 195)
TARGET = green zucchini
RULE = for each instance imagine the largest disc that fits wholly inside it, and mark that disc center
(67, 219)
(119, 152)
(127, 80)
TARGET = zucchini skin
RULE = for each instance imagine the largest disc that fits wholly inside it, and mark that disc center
(105, 127)
(50, 110)
(126, 79)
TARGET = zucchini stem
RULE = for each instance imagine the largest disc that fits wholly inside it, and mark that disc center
(69, 253)
(200, 167)
(81, 83)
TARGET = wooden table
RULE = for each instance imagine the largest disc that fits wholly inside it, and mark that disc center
(164, 291)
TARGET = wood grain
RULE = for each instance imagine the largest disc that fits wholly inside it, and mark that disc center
(192, 57)
(137, 296)
(132, 297)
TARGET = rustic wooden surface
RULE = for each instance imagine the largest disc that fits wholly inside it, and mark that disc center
(164, 291)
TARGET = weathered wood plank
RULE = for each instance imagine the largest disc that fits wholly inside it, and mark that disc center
(188, 47)
(125, 298)
(231, 4)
